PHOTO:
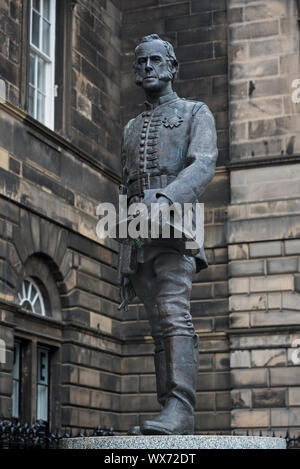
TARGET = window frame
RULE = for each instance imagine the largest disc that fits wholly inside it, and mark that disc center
(29, 380)
(47, 385)
(18, 355)
(39, 295)
(48, 60)
(63, 65)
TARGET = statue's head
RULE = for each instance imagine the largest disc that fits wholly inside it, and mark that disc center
(155, 63)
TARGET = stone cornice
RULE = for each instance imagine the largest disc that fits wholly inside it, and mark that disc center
(261, 162)
(289, 329)
(221, 169)
(8, 305)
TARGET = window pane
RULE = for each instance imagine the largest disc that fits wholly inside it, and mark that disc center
(46, 11)
(40, 107)
(42, 366)
(35, 39)
(33, 292)
(42, 383)
(30, 297)
(41, 75)
(31, 101)
(15, 399)
(46, 37)
(42, 402)
(36, 4)
(37, 307)
(32, 68)
(26, 284)
(16, 367)
(16, 373)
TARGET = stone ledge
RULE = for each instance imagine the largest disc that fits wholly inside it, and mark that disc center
(174, 442)
(262, 161)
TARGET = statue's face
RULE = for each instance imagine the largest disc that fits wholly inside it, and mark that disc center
(153, 67)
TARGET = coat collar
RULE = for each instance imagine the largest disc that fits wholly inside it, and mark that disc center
(162, 100)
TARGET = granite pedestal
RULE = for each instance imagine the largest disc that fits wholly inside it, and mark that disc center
(174, 442)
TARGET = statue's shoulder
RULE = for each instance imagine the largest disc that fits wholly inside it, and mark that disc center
(131, 123)
(128, 128)
(128, 125)
(190, 105)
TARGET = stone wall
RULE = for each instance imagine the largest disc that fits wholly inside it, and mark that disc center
(7, 336)
(52, 215)
(263, 218)
(91, 66)
(50, 186)
(10, 46)
(96, 80)
(263, 62)
(264, 301)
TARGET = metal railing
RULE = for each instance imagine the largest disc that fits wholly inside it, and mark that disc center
(292, 442)
(17, 435)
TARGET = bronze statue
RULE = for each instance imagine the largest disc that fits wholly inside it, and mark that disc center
(169, 154)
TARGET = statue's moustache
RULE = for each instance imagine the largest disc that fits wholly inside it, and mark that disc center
(164, 76)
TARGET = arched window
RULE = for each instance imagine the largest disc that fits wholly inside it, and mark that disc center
(36, 355)
(38, 292)
(31, 298)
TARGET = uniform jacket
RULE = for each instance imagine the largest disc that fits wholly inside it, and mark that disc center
(176, 138)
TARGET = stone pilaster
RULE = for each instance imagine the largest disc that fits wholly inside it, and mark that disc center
(264, 216)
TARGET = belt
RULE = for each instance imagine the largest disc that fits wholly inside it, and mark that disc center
(145, 181)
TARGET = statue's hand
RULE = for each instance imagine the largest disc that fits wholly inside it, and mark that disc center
(151, 198)
(162, 200)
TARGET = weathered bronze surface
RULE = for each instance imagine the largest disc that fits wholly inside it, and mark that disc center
(169, 154)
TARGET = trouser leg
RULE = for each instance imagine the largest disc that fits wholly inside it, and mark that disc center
(159, 353)
(174, 285)
(174, 279)
(145, 287)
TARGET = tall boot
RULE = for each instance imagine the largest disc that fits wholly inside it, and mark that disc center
(161, 376)
(177, 416)
(161, 385)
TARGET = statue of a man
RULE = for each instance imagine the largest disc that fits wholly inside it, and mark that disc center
(168, 156)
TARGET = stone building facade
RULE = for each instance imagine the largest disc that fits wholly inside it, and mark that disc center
(79, 361)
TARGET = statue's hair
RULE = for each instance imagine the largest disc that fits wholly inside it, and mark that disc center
(169, 48)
